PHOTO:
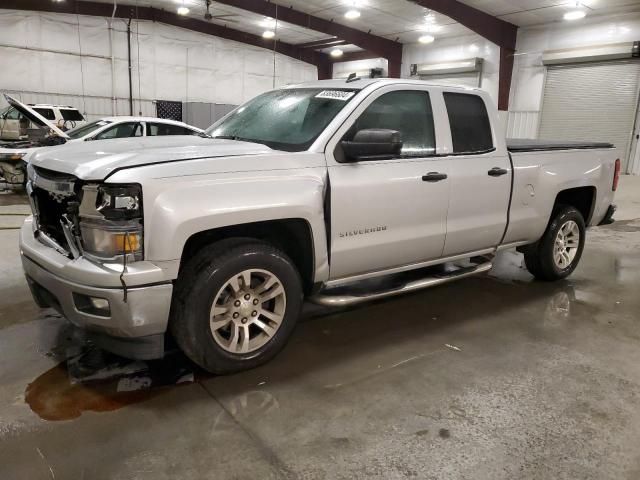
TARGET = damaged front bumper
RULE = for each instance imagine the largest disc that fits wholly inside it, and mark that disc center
(129, 321)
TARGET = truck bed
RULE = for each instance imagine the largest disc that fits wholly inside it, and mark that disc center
(532, 145)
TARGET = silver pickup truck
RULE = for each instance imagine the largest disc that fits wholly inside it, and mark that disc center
(337, 191)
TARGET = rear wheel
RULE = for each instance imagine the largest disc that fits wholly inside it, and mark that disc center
(236, 304)
(557, 254)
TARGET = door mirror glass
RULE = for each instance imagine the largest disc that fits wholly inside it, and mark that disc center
(372, 144)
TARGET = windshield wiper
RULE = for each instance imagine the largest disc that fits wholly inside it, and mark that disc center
(239, 139)
(227, 137)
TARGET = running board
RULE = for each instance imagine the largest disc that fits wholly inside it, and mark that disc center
(343, 298)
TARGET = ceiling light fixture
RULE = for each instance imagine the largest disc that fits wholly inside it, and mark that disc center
(431, 28)
(183, 10)
(269, 23)
(336, 52)
(352, 14)
(426, 39)
(430, 18)
(268, 34)
(575, 15)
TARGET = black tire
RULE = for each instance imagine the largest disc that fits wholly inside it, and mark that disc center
(200, 281)
(539, 257)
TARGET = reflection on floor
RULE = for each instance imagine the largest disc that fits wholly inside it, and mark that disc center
(495, 376)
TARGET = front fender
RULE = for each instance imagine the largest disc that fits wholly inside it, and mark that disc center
(177, 208)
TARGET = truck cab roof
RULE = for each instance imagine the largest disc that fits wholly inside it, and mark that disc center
(362, 83)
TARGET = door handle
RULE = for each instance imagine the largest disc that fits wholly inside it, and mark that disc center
(497, 172)
(434, 177)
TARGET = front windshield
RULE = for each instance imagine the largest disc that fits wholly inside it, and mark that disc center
(85, 130)
(288, 119)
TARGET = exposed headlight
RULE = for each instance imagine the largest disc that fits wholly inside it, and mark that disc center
(119, 202)
(111, 222)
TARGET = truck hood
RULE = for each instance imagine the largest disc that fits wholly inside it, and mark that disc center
(34, 116)
(95, 160)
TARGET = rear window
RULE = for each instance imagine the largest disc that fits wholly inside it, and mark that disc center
(71, 115)
(162, 129)
(470, 125)
(46, 113)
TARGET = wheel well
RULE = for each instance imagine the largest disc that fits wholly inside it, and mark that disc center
(292, 236)
(581, 198)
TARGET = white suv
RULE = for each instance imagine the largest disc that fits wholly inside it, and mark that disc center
(64, 117)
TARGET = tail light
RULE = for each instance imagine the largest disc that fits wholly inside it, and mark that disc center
(616, 175)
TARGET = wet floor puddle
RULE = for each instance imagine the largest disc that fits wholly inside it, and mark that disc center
(97, 381)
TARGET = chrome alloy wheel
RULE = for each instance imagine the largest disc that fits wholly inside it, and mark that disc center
(247, 311)
(566, 244)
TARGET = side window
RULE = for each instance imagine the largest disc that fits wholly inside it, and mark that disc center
(46, 113)
(12, 114)
(409, 112)
(122, 130)
(162, 129)
(470, 125)
(72, 115)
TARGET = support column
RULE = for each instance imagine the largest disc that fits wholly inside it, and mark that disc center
(506, 72)
(325, 69)
(394, 67)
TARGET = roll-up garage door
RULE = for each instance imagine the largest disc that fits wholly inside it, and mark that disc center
(593, 101)
(459, 79)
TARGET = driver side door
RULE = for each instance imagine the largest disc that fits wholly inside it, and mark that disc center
(388, 214)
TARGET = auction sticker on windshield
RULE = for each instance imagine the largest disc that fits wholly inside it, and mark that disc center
(336, 95)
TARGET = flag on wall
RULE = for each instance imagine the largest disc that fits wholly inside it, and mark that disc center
(168, 109)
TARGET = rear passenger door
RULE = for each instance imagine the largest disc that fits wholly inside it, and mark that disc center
(388, 213)
(480, 177)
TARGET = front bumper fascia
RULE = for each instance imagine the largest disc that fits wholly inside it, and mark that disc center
(133, 327)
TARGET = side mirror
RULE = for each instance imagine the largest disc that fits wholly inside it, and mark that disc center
(372, 144)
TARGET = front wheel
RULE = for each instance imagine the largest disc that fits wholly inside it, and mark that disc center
(235, 305)
(557, 254)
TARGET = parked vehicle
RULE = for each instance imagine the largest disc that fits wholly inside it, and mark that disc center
(14, 155)
(63, 116)
(320, 190)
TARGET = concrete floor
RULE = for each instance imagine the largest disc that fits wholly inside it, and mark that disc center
(495, 377)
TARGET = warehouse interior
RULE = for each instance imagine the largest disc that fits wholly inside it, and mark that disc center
(490, 377)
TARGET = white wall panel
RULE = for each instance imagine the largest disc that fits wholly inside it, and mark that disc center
(255, 85)
(529, 72)
(343, 69)
(201, 85)
(61, 73)
(523, 124)
(24, 73)
(257, 63)
(458, 48)
(168, 63)
(530, 75)
(96, 68)
(94, 36)
(227, 85)
(59, 32)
